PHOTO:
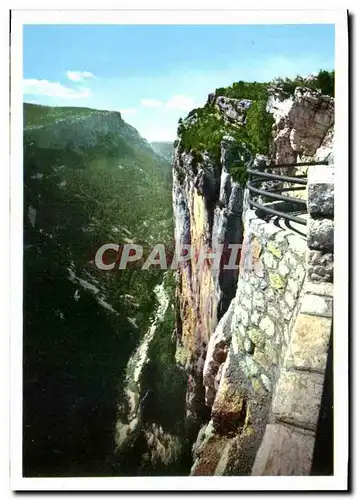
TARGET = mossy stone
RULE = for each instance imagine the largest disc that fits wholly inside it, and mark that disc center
(276, 281)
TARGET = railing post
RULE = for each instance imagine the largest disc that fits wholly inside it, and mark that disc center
(320, 224)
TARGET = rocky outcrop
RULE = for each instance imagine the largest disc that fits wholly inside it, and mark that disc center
(302, 123)
(233, 110)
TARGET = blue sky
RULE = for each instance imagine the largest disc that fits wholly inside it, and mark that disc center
(156, 74)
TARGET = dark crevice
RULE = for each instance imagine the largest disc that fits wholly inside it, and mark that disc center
(322, 463)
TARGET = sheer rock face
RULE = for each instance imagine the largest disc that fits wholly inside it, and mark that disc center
(302, 123)
(207, 208)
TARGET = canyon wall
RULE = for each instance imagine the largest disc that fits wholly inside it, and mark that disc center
(254, 340)
(208, 210)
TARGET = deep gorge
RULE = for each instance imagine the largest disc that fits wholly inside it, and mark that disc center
(195, 371)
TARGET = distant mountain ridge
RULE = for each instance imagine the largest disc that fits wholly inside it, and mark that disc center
(164, 149)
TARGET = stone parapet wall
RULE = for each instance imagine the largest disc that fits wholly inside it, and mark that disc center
(257, 324)
(288, 444)
(265, 368)
(247, 350)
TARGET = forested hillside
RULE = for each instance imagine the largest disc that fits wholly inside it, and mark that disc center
(89, 179)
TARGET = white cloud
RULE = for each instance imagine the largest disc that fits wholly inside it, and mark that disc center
(78, 76)
(151, 103)
(180, 102)
(127, 111)
(153, 133)
(32, 86)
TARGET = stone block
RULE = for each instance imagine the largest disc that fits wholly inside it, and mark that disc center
(255, 318)
(293, 286)
(320, 189)
(247, 289)
(290, 300)
(290, 260)
(300, 273)
(284, 451)
(270, 295)
(257, 337)
(320, 234)
(316, 304)
(236, 343)
(319, 266)
(249, 346)
(269, 230)
(309, 343)
(242, 330)
(270, 260)
(274, 249)
(258, 387)
(297, 398)
(286, 311)
(274, 311)
(244, 317)
(325, 289)
(259, 268)
(267, 357)
(246, 302)
(283, 270)
(258, 301)
(249, 367)
(267, 326)
(256, 249)
(297, 244)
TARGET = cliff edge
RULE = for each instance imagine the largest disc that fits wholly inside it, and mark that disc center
(248, 327)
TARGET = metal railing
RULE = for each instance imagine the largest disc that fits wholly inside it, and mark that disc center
(257, 175)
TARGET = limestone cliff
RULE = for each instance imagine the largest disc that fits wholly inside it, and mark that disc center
(234, 325)
(208, 211)
(303, 124)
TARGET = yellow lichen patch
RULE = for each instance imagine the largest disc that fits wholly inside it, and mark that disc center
(276, 281)
(274, 250)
